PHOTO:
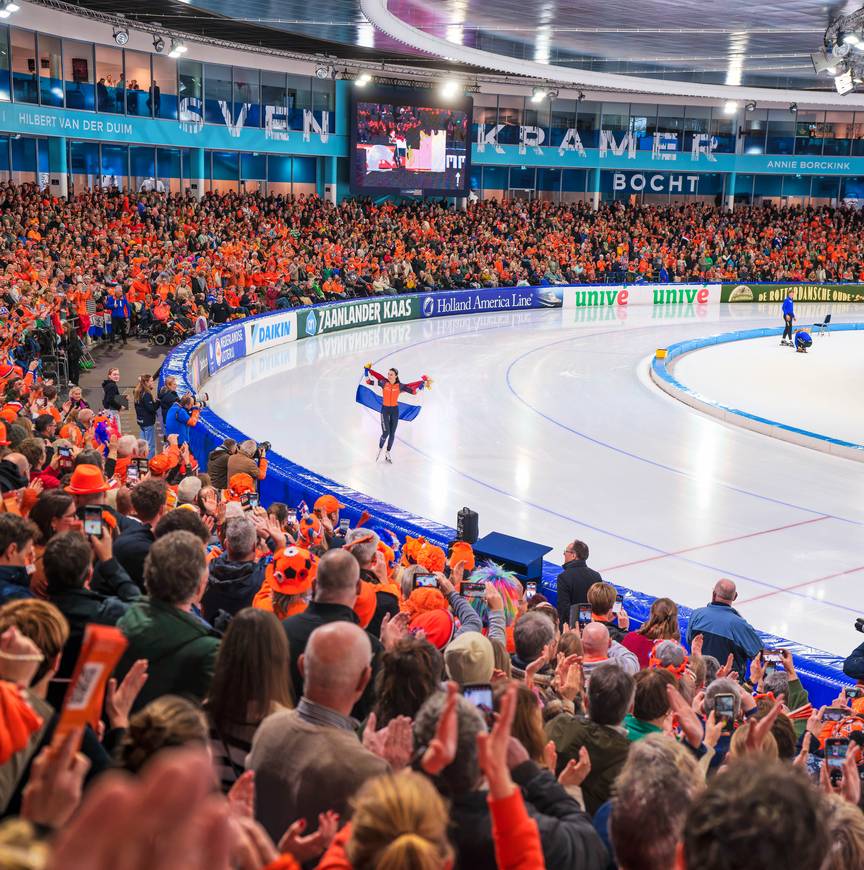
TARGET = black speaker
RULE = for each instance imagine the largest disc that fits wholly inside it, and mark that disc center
(467, 525)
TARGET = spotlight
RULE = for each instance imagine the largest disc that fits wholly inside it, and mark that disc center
(851, 39)
(362, 80)
(793, 108)
(844, 83)
(841, 49)
(7, 8)
(449, 88)
(822, 63)
(177, 49)
(580, 96)
(731, 107)
(538, 95)
(750, 106)
(158, 44)
(121, 35)
(324, 72)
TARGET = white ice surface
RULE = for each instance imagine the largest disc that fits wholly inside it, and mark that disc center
(819, 391)
(545, 423)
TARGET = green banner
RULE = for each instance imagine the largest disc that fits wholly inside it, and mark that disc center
(347, 315)
(803, 292)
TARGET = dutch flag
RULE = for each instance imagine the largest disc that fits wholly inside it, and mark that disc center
(371, 394)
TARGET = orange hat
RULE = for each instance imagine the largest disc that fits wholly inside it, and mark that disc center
(240, 483)
(462, 551)
(160, 464)
(366, 603)
(310, 531)
(87, 480)
(329, 504)
(410, 549)
(9, 413)
(424, 599)
(432, 558)
(437, 626)
(292, 572)
(3, 440)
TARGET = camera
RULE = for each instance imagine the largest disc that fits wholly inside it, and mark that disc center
(859, 624)
(263, 447)
(201, 400)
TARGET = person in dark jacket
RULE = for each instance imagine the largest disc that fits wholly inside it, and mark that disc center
(724, 631)
(179, 647)
(566, 832)
(363, 544)
(12, 476)
(217, 463)
(220, 311)
(68, 564)
(149, 500)
(337, 586)
(117, 306)
(237, 574)
(146, 408)
(17, 551)
(168, 396)
(112, 399)
(610, 696)
(575, 580)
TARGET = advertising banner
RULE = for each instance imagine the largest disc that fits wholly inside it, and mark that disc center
(226, 346)
(198, 367)
(267, 332)
(803, 292)
(641, 294)
(444, 303)
(347, 315)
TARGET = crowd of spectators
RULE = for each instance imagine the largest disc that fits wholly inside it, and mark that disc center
(298, 692)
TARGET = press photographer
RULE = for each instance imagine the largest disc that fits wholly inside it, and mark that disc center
(251, 459)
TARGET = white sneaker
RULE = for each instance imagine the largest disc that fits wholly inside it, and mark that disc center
(387, 457)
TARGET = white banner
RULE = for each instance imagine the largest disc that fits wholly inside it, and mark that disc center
(614, 295)
(270, 331)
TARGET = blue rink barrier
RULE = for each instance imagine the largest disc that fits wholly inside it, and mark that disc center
(291, 483)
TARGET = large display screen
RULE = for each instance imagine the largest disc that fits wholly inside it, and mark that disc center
(409, 141)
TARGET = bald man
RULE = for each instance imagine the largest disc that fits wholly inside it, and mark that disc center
(310, 760)
(724, 631)
(598, 647)
(14, 472)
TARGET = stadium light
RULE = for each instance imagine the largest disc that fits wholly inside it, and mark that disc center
(362, 80)
(538, 95)
(852, 39)
(793, 108)
(449, 88)
(8, 8)
(177, 49)
(731, 107)
(158, 44)
(750, 106)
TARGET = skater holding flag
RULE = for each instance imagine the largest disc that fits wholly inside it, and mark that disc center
(392, 398)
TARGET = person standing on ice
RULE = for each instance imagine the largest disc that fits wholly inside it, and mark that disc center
(788, 318)
(391, 388)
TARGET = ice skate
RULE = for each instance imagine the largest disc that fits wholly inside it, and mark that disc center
(378, 457)
(387, 457)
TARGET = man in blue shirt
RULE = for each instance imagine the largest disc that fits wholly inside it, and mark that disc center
(788, 318)
(802, 340)
(118, 308)
(181, 415)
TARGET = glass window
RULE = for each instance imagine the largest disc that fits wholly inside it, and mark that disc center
(217, 87)
(50, 70)
(163, 88)
(137, 83)
(24, 160)
(743, 188)
(522, 177)
(303, 172)
(168, 169)
(510, 114)
(643, 123)
(768, 185)
(142, 168)
(247, 90)
(84, 164)
(110, 84)
(588, 123)
(549, 184)
(697, 119)
(781, 132)
(797, 187)
(24, 66)
(299, 98)
(279, 174)
(851, 189)
(5, 166)
(616, 118)
(755, 125)
(5, 81)
(838, 133)
(226, 170)
(809, 127)
(253, 171)
(485, 109)
(273, 91)
(114, 167)
(723, 129)
(78, 73)
(322, 94)
(562, 116)
(190, 75)
(824, 190)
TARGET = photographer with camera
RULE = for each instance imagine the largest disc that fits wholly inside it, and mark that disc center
(182, 415)
(251, 459)
(854, 664)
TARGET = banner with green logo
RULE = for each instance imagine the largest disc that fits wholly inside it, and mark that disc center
(347, 315)
(803, 292)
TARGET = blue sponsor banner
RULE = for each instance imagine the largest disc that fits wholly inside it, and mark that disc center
(225, 347)
(444, 303)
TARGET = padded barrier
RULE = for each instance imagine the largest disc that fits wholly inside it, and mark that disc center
(286, 481)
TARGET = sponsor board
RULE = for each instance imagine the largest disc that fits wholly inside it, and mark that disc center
(347, 315)
(594, 296)
(803, 292)
(226, 346)
(444, 303)
(270, 331)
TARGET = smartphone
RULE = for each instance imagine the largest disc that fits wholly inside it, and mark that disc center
(619, 603)
(835, 754)
(249, 500)
(480, 695)
(292, 516)
(65, 452)
(343, 527)
(853, 692)
(93, 520)
(474, 590)
(425, 580)
(585, 614)
(132, 474)
(834, 714)
(143, 465)
(530, 589)
(724, 707)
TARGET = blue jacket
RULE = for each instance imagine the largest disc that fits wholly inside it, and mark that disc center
(788, 307)
(175, 423)
(117, 307)
(724, 631)
(14, 583)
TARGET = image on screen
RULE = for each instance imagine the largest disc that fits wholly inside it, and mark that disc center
(401, 145)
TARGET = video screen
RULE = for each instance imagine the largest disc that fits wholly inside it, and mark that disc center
(410, 142)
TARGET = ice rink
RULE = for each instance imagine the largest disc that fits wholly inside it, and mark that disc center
(546, 423)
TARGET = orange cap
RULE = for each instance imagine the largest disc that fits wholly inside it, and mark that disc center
(329, 504)
(292, 571)
(462, 551)
(87, 479)
(240, 483)
(3, 440)
(160, 464)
